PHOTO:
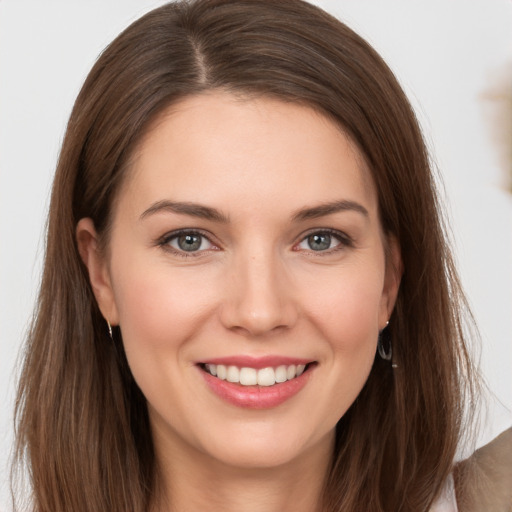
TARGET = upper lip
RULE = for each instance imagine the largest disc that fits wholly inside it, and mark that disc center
(246, 361)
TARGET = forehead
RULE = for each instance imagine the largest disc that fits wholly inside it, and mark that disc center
(218, 148)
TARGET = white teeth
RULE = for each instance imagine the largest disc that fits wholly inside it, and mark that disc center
(221, 371)
(212, 368)
(251, 377)
(266, 377)
(281, 374)
(233, 374)
(248, 377)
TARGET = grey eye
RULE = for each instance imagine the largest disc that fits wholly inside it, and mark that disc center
(190, 242)
(319, 241)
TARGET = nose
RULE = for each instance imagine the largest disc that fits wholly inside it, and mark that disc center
(258, 296)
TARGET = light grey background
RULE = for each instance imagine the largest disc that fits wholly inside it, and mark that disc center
(449, 56)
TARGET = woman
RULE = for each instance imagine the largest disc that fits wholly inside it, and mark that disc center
(242, 204)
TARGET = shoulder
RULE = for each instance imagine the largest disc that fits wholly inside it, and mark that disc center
(483, 482)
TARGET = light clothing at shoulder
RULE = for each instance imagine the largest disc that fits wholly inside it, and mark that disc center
(446, 501)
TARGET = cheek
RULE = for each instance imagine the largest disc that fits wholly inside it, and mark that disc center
(346, 306)
(159, 314)
(159, 309)
(343, 309)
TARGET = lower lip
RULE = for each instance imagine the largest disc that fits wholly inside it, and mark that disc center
(256, 397)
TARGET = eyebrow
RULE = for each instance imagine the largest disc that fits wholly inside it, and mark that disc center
(209, 213)
(325, 209)
(185, 208)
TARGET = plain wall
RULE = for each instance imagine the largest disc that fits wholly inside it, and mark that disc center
(447, 55)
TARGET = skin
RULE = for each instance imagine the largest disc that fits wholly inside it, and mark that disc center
(255, 288)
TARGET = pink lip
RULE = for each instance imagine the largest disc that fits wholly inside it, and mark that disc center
(257, 362)
(256, 397)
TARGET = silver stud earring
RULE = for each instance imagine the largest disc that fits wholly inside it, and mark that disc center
(110, 330)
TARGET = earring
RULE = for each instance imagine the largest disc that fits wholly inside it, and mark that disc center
(110, 330)
(385, 353)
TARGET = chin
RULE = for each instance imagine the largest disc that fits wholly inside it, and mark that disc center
(268, 448)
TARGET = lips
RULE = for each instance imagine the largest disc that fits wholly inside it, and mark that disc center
(256, 383)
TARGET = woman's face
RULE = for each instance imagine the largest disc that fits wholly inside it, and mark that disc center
(245, 243)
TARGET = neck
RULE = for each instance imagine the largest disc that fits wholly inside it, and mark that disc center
(192, 481)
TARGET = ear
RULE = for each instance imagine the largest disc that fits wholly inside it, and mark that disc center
(99, 274)
(392, 278)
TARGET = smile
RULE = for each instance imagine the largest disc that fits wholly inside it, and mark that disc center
(256, 383)
(247, 376)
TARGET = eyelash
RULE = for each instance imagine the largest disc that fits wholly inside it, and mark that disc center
(164, 242)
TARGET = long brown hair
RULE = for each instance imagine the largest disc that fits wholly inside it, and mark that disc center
(82, 422)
